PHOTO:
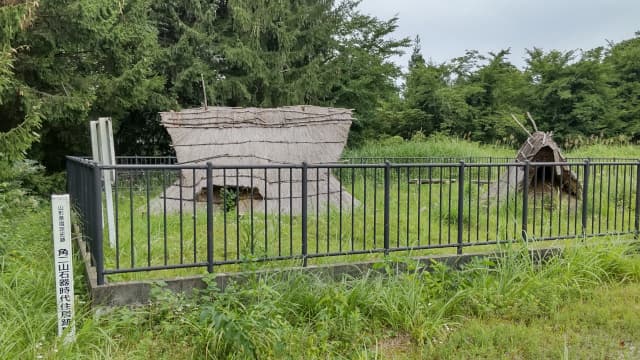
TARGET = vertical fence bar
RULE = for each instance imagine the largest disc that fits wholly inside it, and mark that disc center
(593, 197)
(209, 217)
(525, 200)
(164, 217)
(265, 198)
(181, 219)
(340, 210)
(252, 238)
(304, 214)
(408, 204)
(195, 214)
(364, 210)
(225, 209)
(96, 249)
(115, 210)
(387, 170)
(460, 205)
(318, 210)
(328, 205)
(398, 207)
(279, 211)
(375, 207)
(629, 208)
(238, 212)
(148, 191)
(131, 226)
(637, 214)
(624, 195)
(585, 193)
(353, 216)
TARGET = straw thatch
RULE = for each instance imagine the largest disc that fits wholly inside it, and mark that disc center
(253, 136)
(539, 147)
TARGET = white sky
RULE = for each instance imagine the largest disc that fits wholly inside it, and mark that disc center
(449, 27)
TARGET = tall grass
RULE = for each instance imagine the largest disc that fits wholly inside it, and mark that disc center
(304, 316)
(452, 147)
(433, 146)
(293, 315)
(27, 290)
(583, 303)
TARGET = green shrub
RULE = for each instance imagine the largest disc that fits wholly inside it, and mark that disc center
(229, 197)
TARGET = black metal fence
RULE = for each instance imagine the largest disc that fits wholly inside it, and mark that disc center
(175, 216)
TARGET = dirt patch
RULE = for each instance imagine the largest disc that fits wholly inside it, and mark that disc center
(398, 346)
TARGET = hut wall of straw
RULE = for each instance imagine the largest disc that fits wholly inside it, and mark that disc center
(227, 136)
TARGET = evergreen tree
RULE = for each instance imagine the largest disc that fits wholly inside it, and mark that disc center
(18, 104)
(276, 53)
(80, 60)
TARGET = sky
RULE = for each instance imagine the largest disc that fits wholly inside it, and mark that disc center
(447, 28)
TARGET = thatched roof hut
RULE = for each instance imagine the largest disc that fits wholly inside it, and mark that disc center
(253, 136)
(539, 147)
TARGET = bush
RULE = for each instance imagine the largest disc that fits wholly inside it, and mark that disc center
(12, 193)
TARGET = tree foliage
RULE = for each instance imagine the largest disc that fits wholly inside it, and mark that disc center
(276, 53)
(576, 94)
(63, 63)
(17, 133)
(82, 59)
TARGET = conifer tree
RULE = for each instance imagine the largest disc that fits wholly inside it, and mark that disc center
(18, 105)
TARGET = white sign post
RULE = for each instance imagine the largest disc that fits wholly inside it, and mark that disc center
(63, 266)
(103, 153)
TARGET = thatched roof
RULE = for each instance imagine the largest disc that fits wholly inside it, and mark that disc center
(254, 136)
(539, 147)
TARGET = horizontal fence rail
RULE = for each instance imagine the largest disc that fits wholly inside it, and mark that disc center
(179, 216)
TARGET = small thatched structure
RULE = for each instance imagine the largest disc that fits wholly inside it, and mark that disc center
(539, 147)
(289, 135)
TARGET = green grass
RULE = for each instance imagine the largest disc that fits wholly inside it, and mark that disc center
(607, 151)
(434, 146)
(419, 215)
(602, 323)
(583, 304)
(449, 147)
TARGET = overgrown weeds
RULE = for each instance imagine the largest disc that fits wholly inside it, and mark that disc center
(296, 315)
(299, 315)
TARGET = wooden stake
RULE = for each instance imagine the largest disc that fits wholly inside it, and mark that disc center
(533, 122)
(522, 126)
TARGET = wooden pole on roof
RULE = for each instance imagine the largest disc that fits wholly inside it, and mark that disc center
(522, 126)
(533, 122)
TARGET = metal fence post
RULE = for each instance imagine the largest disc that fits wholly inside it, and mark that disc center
(387, 171)
(209, 217)
(68, 168)
(304, 214)
(96, 248)
(460, 205)
(525, 200)
(637, 214)
(585, 193)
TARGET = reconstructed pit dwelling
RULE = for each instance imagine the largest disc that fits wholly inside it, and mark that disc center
(229, 136)
(539, 147)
